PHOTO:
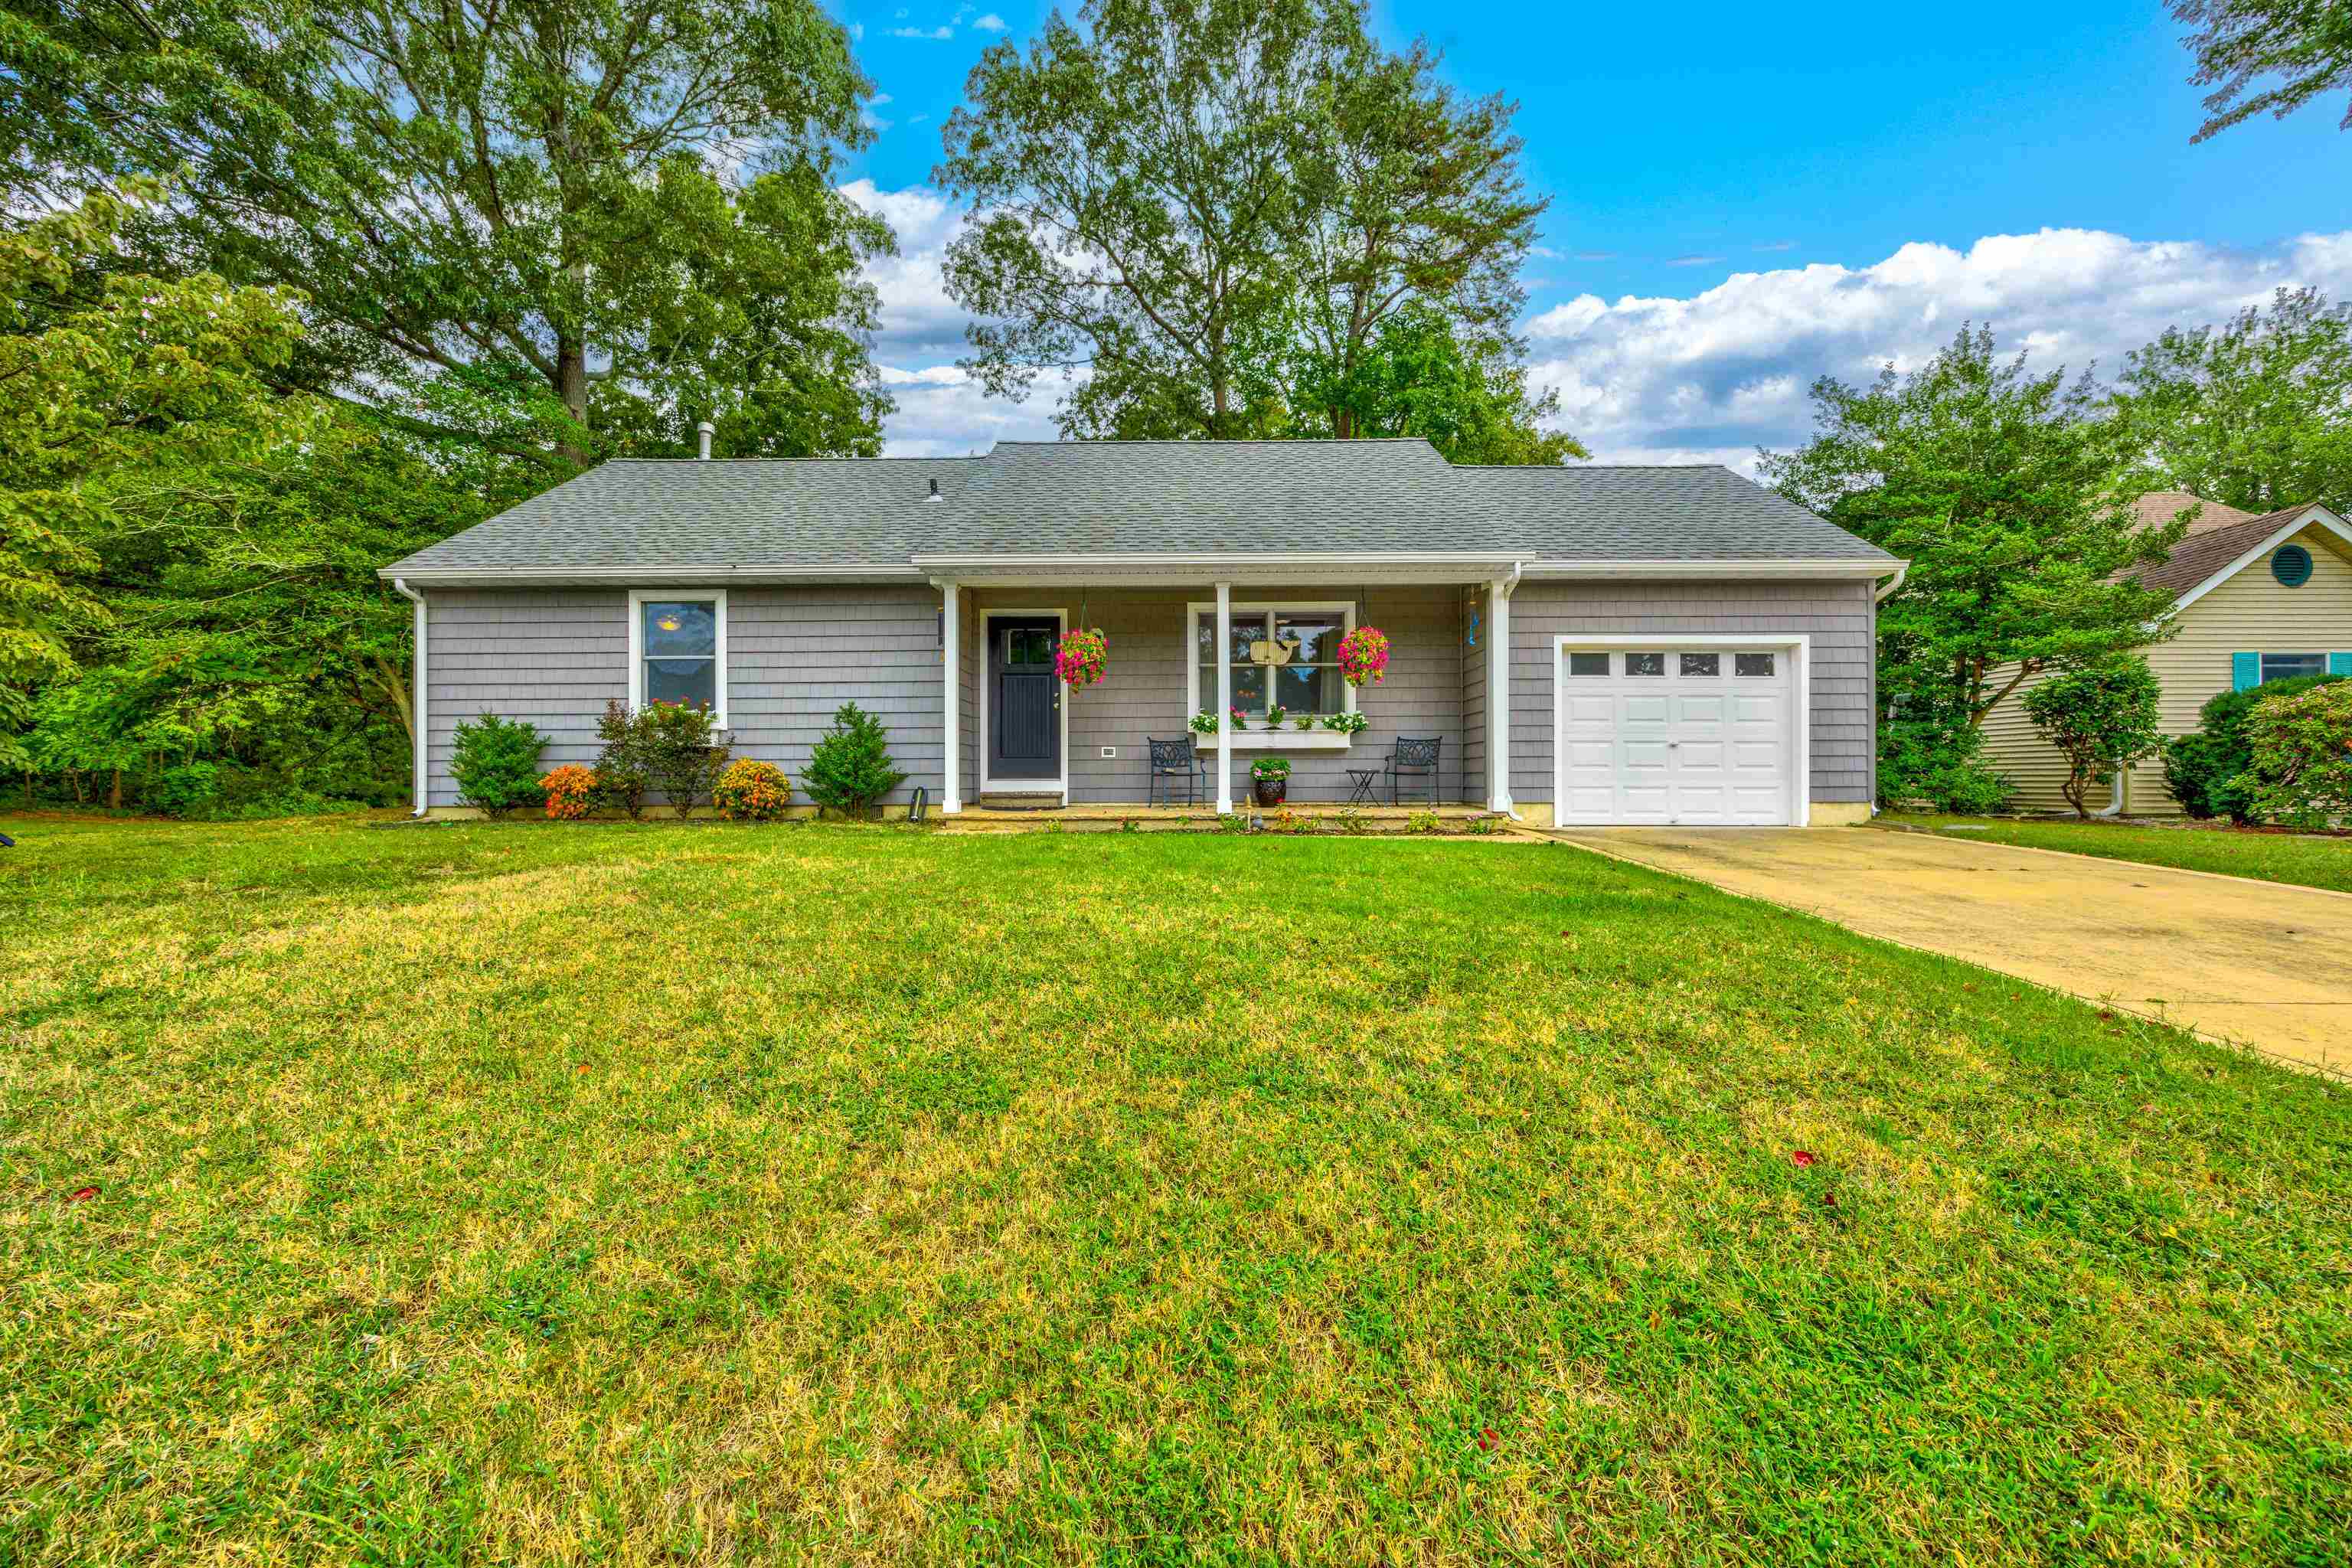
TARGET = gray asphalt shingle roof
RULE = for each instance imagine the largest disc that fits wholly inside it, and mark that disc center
(1032, 498)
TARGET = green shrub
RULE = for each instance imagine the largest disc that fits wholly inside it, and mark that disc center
(622, 780)
(2301, 773)
(2102, 718)
(751, 792)
(1941, 761)
(850, 769)
(495, 764)
(2202, 770)
(186, 791)
(679, 756)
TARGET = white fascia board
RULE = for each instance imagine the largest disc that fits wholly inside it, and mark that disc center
(2310, 516)
(565, 577)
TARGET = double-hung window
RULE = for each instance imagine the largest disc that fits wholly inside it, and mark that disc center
(678, 648)
(1301, 672)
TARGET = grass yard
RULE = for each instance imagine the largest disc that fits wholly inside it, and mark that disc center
(619, 1194)
(2306, 860)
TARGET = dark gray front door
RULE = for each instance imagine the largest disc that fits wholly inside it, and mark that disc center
(1024, 699)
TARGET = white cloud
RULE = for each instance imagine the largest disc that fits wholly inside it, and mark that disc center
(942, 411)
(932, 34)
(1710, 377)
(990, 23)
(858, 32)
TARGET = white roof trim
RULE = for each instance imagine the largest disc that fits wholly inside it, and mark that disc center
(2310, 515)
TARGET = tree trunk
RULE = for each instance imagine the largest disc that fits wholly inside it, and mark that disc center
(386, 678)
(115, 792)
(571, 386)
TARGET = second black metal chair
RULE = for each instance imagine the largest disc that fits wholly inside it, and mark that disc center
(1415, 757)
(1172, 760)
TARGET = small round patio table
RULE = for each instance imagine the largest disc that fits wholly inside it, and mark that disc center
(1362, 794)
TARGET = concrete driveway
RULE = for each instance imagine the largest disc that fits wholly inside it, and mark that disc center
(2256, 963)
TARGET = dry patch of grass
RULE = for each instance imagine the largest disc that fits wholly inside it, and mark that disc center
(625, 1195)
(2308, 860)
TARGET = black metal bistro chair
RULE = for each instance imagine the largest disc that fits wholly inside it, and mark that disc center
(1414, 759)
(1171, 761)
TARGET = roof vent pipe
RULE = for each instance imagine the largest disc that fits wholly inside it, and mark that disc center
(935, 491)
(705, 429)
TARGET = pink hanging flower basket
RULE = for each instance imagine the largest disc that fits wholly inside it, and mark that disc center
(1081, 658)
(1364, 656)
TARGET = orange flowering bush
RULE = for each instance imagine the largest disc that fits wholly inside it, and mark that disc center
(570, 792)
(751, 792)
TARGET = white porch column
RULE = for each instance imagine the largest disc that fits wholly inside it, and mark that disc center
(1499, 691)
(952, 711)
(1225, 698)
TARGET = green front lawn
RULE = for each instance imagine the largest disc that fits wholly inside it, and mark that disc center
(2308, 861)
(616, 1194)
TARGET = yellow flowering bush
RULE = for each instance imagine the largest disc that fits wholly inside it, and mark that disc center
(751, 792)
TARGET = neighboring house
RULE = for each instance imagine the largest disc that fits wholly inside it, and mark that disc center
(2254, 598)
(1588, 644)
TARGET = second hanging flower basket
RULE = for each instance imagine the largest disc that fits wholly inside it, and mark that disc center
(1364, 656)
(1081, 658)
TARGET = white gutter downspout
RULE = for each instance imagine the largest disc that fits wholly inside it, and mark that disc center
(1499, 691)
(1884, 591)
(1893, 583)
(416, 687)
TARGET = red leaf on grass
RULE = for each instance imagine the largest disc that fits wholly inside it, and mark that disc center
(1803, 1157)
(1489, 1440)
(82, 1195)
(1829, 1200)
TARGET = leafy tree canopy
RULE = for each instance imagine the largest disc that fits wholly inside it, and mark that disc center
(2306, 44)
(113, 386)
(1212, 210)
(1416, 375)
(2255, 413)
(576, 224)
(1998, 485)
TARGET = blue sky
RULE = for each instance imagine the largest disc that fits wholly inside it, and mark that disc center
(1744, 197)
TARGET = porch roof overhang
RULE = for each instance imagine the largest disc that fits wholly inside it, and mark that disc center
(1192, 570)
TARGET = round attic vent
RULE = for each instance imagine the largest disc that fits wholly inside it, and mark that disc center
(2292, 565)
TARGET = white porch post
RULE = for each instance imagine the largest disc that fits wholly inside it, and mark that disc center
(951, 709)
(1499, 691)
(1225, 698)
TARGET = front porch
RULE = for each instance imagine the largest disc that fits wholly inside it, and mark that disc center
(1178, 650)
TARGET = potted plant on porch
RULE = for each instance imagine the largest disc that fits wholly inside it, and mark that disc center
(1270, 780)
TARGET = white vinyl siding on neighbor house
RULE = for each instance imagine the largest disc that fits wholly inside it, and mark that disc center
(2250, 612)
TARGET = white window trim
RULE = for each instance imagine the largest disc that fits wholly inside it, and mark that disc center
(1799, 648)
(638, 599)
(1286, 738)
(1059, 786)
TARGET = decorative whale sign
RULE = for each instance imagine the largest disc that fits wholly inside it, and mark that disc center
(1265, 651)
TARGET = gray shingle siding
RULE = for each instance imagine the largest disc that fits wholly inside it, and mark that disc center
(555, 657)
(1837, 616)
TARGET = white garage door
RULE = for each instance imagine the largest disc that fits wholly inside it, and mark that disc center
(1678, 735)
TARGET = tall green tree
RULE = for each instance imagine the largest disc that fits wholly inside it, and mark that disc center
(1175, 197)
(1998, 485)
(553, 225)
(1410, 200)
(113, 382)
(1419, 373)
(2255, 413)
(2307, 45)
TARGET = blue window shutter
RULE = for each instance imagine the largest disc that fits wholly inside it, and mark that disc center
(2339, 663)
(2245, 671)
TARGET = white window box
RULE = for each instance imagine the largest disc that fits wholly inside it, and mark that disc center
(1317, 740)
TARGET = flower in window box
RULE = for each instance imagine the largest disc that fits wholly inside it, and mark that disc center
(1203, 723)
(1364, 656)
(1241, 720)
(1275, 715)
(1348, 723)
(1081, 658)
